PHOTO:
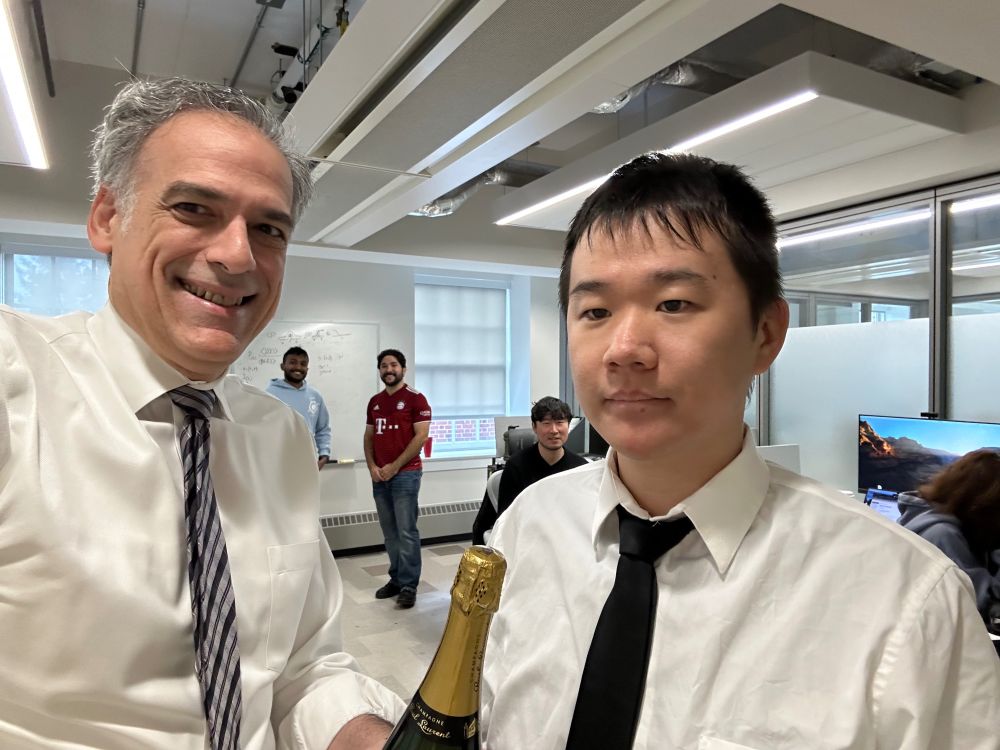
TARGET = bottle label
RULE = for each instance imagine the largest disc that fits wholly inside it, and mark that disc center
(451, 731)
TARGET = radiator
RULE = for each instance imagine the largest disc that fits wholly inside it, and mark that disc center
(360, 528)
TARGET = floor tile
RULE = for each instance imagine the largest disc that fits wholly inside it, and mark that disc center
(393, 645)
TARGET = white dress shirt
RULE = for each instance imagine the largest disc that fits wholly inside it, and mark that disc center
(96, 644)
(792, 618)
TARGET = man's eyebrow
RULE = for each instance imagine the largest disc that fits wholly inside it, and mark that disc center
(659, 278)
(588, 287)
(678, 275)
(181, 189)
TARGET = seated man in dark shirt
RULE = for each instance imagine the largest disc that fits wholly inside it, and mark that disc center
(550, 421)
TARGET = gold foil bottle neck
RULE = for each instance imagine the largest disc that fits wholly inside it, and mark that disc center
(478, 582)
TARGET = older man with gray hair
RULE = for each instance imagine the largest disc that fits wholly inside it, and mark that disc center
(153, 593)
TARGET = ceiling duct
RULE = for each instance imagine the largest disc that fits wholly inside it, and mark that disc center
(511, 173)
(688, 73)
(316, 45)
(909, 66)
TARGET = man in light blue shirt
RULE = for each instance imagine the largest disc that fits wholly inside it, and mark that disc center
(294, 391)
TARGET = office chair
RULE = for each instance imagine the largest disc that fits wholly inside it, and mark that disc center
(493, 488)
(517, 439)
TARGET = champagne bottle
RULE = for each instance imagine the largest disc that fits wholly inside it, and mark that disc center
(444, 712)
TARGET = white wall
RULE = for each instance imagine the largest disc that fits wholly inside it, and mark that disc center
(544, 338)
(323, 290)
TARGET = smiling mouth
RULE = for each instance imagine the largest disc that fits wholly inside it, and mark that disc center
(217, 299)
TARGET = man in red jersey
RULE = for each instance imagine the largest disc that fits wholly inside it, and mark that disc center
(399, 420)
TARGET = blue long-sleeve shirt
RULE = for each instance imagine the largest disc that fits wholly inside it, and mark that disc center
(307, 402)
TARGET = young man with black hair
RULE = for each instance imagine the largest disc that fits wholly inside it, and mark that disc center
(399, 421)
(293, 390)
(684, 593)
(550, 419)
(550, 422)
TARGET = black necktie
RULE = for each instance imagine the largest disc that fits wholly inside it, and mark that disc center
(614, 677)
(213, 604)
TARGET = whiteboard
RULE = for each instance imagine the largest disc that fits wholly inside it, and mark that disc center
(341, 367)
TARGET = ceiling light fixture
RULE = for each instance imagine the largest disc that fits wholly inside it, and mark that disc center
(974, 204)
(869, 225)
(18, 95)
(803, 97)
(732, 126)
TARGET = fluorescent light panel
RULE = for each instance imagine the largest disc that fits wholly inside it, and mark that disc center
(855, 228)
(586, 187)
(709, 135)
(16, 85)
(974, 204)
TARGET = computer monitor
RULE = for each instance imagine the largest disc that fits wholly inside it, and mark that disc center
(502, 424)
(899, 454)
(884, 503)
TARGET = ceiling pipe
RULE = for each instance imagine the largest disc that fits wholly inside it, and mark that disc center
(246, 49)
(43, 45)
(292, 83)
(140, 10)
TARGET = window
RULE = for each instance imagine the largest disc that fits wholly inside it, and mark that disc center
(461, 360)
(52, 281)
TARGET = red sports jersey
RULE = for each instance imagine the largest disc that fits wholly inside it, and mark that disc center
(393, 417)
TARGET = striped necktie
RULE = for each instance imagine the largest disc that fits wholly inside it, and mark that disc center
(213, 605)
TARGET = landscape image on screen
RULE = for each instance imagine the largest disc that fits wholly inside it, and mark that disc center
(900, 454)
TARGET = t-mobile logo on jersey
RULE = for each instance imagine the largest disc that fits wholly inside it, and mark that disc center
(380, 425)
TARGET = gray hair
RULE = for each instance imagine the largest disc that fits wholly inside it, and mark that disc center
(143, 105)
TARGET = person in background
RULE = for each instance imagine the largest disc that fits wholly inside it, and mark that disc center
(684, 593)
(961, 517)
(399, 421)
(550, 422)
(550, 419)
(306, 400)
(154, 592)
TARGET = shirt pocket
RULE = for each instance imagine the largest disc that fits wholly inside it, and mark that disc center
(291, 567)
(714, 743)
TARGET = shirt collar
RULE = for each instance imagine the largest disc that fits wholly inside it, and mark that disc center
(722, 510)
(142, 375)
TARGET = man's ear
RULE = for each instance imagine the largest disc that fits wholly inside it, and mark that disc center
(771, 330)
(102, 221)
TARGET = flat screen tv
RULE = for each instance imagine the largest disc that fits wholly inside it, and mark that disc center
(899, 454)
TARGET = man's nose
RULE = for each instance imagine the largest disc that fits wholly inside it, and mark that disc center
(631, 342)
(231, 248)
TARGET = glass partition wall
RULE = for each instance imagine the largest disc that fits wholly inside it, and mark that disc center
(858, 287)
(895, 310)
(971, 234)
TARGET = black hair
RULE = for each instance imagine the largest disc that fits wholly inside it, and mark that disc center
(391, 353)
(296, 350)
(550, 408)
(687, 196)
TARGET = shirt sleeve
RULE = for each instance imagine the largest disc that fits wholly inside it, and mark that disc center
(512, 484)
(322, 429)
(322, 688)
(938, 686)
(370, 416)
(421, 409)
